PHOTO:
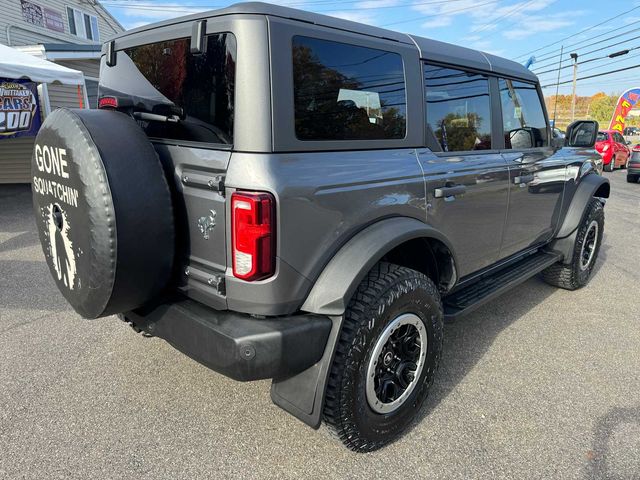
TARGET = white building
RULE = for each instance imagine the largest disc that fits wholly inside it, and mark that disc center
(67, 32)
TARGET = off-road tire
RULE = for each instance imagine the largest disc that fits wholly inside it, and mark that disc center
(632, 178)
(571, 276)
(388, 291)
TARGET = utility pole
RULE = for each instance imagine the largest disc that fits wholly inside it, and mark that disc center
(555, 105)
(574, 56)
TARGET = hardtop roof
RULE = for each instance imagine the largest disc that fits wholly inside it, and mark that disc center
(429, 49)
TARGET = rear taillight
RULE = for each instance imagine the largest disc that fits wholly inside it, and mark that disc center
(108, 102)
(636, 148)
(253, 235)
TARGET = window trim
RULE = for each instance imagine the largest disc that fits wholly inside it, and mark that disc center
(492, 116)
(503, 148)
(84, 28)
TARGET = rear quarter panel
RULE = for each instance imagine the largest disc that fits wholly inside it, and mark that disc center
(323, 199)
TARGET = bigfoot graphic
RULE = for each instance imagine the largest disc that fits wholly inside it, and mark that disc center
(64, 262)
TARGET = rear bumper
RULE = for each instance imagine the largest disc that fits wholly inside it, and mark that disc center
(633, 169)
(236, 345)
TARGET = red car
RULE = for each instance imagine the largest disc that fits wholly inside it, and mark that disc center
(613, 148)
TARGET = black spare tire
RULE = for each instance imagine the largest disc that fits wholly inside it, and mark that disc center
(103, 211)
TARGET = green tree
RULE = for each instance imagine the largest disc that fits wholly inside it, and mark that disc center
(602, 107)
(461, 132)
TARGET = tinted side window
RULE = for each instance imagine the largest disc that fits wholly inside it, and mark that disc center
(346, 92)
(602, 136)
(458, 108)
(522, 115)
(195, 91)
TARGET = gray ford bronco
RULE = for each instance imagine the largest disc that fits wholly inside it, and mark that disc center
(280, 194)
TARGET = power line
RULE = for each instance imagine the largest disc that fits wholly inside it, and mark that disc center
(496, 20)
(595, 76)
(183, 7)
(310, 2)
(598, 42)
(604, 65)
(592, 84)
(441, 14)
(614, 61)
(595, 59)
(578, 33)
(618, 35)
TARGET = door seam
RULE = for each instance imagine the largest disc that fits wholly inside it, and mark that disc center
(506, 214)
(424, 185)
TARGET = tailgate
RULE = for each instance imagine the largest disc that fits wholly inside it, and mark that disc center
(198, 189)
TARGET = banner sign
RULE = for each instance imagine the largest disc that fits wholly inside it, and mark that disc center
(53, 20)
(625, 103)
(19, 112)
(42, 16)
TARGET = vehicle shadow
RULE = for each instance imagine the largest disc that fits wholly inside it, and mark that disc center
(468, 339)
(28, 285)
(25, 281)
(22, 240)
(16, 208)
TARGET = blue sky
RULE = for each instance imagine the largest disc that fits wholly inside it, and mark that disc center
(509, 28)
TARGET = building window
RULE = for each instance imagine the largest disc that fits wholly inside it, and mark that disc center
(458, 108)
(83, 25)
(347, 92)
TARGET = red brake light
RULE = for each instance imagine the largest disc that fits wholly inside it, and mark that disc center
(108, 102)
(253, 235)
(636, 148)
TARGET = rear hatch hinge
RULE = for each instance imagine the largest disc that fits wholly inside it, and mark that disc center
(199, 179)
(213, 280)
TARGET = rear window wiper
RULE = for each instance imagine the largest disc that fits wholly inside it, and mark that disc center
(154, 117)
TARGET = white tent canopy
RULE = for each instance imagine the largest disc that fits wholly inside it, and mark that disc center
(19, 65)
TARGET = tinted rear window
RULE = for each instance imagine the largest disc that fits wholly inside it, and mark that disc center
(347, 92)
(458, 108)
(166, 79)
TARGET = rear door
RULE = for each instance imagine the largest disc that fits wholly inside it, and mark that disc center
(537, 177)
(467, 179)
(185, 104)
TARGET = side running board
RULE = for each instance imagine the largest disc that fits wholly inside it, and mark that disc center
(466, 300)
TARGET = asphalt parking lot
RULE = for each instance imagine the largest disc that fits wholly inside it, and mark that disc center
(542, 383)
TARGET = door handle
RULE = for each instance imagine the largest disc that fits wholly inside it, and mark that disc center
(449, 191)
(522, 179)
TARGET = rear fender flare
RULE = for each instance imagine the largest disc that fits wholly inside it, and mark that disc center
(590, 186)
(586, 190)
(344, 272)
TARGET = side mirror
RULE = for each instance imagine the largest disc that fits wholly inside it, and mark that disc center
(582, 134)
(628, 142)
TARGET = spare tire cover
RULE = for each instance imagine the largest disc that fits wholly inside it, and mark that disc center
(103, 211)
